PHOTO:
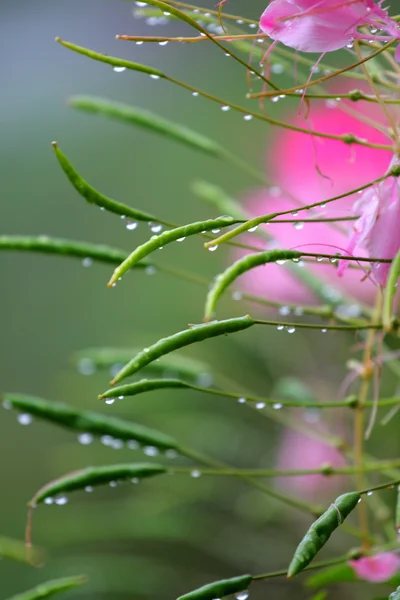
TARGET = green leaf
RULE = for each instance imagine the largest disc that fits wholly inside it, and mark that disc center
(92, 196)
(95, 476)
(132, 115)
(390, 292)
(51, 588)
(320, 596)
(196, 333)
(88, 421)
(16, 550)
(219, 589)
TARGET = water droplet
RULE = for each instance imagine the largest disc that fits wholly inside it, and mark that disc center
(277, 405)
(150, 451)
(153, 76)
(195, 94)
(369, 493)
(205, 379)
(195, 473)
(253, 229)
(113, 484)
(239, 21)
(155, 227)
(252, 25)
(135, 480)
(215, 230)
(139, 43)
(116, 444)
(324, 330)
(150, 270)
(49, 500)
(109, 400)
(291, 329)
(165, 42)
(86, 366)
(6, 404)
(242, 400)
(280, 262)
(237, 295)
(182, 239)
(87, 262)
(171, 453)
(212, 248)
(131, 225)
(280, 327)
(141, 4)
(330, 103)
(350, 45)
(275, 99)
(277, 68)
(61, 500)
(295, 213)
(284, 311)
(133, 445)
(119, 69)
(88, 488)
(320, 258)
(298, 311)
(248, 117)
(260, 405)
(85, 439)
(242, 595)
(299, 225)
(225, 108)
(24, 419)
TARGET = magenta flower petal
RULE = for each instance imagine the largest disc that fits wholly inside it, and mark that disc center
(377, 568)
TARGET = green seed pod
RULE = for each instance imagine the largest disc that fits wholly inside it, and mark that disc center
(88, 421)
(51, 588)
(94, 476)
(397, 524)
(390, 292)
(395, 595)
(196, 333)
(16, 550)
(181, 366)
(150, 121)
(238, 268)
(219, 589)
(167, 237)
(92, 196)
(146, 385)
(321, 530)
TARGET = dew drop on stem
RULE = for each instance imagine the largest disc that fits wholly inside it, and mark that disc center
(24, 419)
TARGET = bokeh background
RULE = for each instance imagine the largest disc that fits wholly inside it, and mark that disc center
(169, 535)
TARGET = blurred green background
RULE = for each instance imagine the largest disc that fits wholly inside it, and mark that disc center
(169, 535)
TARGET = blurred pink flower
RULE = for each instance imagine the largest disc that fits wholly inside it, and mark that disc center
(298, 451)
(309, 170)
(378, 228)
(324, 25)
(377, 568)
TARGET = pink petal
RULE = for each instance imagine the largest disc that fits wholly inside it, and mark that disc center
(377, 568)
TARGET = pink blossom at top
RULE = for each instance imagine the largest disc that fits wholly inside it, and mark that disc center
(378, 228)
(311, 170)
(324, 25)
(377, 568)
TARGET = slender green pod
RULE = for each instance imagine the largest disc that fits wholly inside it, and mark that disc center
(217, 197)
(148, 120)
(196, 333)
(238, 268)
(92, 196)
(62, 247)
(321, 530)
(51, 588)
(88, 421)
(219, 589)
(395, 595)
(145, 385)
(111, 60)
(174, 365)
(15, 550)
(95, 476)
(167, 237)
(390, 292)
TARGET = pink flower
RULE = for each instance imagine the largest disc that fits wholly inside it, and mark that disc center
(378, 228)
(298, 451)
(296, 161)
(324, 25)
(377, 568)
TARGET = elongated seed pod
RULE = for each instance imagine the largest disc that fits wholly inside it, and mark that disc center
(63, 247)
(219, 589)
(196, 333)
(92, 196)
(146, 385)
(51, 588)
(88, 421)
(395, 595)
(321, 530)
(238, 268)
(214, 195)
(397, 524)
(150, 121)
(167, 237)
(94, 476)
(175, 364)
(390, 292)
